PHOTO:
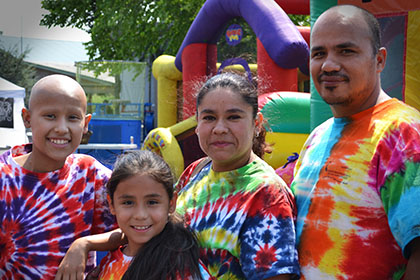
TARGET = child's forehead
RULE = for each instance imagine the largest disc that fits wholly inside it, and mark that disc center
(56, 98)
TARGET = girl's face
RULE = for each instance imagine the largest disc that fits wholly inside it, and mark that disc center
(225, 129)
(141, 206)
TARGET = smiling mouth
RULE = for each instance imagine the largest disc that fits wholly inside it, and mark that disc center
(141, 228)
(59, 141)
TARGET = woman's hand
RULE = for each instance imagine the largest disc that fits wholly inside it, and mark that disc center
(73, 265)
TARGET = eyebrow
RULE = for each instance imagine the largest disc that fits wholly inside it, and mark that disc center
(233, 110)
(126, 196)
(339, 46)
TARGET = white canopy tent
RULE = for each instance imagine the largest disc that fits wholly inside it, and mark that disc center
(12, 130)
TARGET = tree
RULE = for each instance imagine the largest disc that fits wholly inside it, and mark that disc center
(14, 69)
(132, 29)
(126, 29)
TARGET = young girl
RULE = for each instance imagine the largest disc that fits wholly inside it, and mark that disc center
(143, 201)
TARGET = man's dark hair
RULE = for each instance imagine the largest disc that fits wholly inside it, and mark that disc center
(372, 23)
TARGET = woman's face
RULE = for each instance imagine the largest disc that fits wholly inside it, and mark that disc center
(225, 129)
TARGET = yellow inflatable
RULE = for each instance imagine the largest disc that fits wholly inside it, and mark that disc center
(161, 141)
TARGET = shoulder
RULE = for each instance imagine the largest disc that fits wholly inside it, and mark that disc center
(262, 170)
(87, 162)
(191, 171)
(396, 111)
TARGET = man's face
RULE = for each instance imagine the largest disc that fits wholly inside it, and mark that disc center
(343, 67)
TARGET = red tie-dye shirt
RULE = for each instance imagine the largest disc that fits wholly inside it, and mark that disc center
(41, 214)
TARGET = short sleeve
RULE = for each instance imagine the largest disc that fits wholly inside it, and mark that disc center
(268, 235)
(400, 191)
(103, 220)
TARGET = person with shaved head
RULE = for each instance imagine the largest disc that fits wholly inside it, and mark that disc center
(50, 196)
(357, 181)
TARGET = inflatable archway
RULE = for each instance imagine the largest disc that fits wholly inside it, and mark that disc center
(280, 45)
(281, 48)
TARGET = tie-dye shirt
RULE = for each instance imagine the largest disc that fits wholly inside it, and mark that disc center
(357, 188)
(115, 263)
(41, 214)
(244, 220)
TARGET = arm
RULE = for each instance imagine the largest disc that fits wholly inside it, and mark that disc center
(271, 206)
(413, 267)
(73, 264)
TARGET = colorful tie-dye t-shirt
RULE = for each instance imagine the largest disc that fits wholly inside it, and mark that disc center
(357, 188)
(115, 263)
(244, 220)
(41, 214)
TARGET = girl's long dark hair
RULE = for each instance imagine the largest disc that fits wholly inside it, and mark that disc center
(174, 252)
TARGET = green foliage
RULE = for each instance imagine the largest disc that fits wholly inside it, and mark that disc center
(114, 68)
(15, 70)
(126, 29)
(139, 30)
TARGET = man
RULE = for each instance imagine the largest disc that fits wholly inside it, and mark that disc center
(357, 182)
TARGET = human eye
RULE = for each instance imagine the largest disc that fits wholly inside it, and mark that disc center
(317, 54)
(49, 116)
(127, 202)
(347, 51)
(74, 118)
(153, 202)
(234, 117)
(208, 118)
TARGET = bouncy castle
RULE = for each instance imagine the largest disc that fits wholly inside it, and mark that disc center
(282, 65)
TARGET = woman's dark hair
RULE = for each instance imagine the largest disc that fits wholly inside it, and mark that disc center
(175, 250)
(248, 91)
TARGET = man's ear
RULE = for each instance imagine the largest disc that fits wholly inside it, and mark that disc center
(26, 116)
(381, 59)
(88, 117)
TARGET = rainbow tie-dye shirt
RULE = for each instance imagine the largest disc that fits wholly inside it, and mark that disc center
(41, 214)
(115, 264)
(244, 220)
(357, 188)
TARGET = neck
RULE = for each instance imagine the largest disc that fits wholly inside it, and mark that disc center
(27, 162)
(229, 167)
(344, 110)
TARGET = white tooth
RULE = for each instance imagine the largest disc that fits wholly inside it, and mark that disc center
(59, 141)
(145, 227)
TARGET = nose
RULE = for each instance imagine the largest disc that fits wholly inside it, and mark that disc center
(220, 127)
(140, 213)
(330, 64)
(61, 126)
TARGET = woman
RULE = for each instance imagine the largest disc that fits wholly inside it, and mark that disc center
(241, 211)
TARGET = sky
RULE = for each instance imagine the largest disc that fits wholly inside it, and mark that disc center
(22, 18)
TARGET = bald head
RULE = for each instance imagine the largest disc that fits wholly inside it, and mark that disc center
(353, 14)
(54, 85)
